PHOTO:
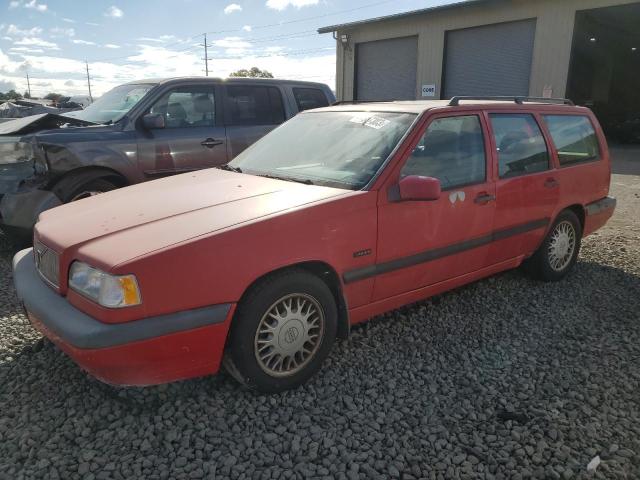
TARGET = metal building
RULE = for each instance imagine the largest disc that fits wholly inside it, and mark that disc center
(587, 50)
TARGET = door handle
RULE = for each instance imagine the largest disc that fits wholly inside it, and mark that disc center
(484, 198)
(210, 143)
(551, 183)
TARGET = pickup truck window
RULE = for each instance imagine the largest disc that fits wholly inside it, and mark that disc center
(574, 138)
(338, 149)
(451, 150)
(254, 105)
(187, 107)
(520, 144)
(308, 98)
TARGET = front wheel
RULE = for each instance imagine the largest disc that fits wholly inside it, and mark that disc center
(283, 330)
(559, 251)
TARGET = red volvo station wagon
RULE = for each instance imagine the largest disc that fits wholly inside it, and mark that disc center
(340, 214)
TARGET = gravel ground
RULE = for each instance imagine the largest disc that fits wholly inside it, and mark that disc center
(506, 378)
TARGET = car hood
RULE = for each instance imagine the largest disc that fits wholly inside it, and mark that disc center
(42, 121)
(116, 226)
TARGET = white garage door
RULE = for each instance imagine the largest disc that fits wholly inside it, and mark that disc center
(489, 60)
(386, 69)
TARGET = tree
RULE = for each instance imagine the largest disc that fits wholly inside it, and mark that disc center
(26, 94)
(255, 72)
(53, 96)
(10, 95)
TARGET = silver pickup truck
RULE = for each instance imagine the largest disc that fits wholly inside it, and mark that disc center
(136, 132)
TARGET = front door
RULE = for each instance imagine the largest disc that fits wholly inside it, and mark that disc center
(421, 243)
(527, 187)
(193, 136)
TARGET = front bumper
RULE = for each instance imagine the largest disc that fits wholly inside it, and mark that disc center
(150, 351)
(19, 211)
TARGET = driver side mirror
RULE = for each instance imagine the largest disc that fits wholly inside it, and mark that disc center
(416, 187)
(153, 121)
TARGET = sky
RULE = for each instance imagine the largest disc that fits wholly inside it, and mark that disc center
(134, 39)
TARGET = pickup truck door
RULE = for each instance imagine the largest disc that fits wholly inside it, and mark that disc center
(251, 111)
(193, 136)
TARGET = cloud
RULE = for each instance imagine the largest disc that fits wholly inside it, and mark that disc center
(282, 4)
(77, 41)
(36, 42)
(31, 4)
(114, 12)
(62, 32)
(69, 83)
(232, 7)
(247, 28)
(25, 50)
(233, 45)
(6, 86)
(111, 45)
(15, 30)
(93, 24)
(68, 20)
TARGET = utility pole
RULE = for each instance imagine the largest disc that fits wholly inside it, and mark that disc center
(88, 81)
(206, 56)
(28, 85)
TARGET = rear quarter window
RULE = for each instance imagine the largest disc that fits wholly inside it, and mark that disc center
(249, 105)
(574, 138)
(308, 98)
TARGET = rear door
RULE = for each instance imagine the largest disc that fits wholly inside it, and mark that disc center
(251, 111)
(193, 137)
(527, 188)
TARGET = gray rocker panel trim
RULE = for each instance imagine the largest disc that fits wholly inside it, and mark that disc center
(437, 253)
(83, 331)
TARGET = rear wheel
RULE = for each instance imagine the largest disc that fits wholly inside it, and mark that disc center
(282, 332)
(559, 251)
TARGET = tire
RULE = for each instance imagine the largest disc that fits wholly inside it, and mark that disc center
(265, 346)
(564, 236)
(96, 186)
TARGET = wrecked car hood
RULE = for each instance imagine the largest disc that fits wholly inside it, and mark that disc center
(43, 121)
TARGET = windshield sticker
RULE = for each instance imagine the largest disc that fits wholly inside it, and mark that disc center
(377, 122)
(358, 119)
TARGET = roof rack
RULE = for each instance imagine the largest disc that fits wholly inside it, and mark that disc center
(352, 102)
(455, 101)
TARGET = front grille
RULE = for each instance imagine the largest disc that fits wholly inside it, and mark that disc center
(47, 263)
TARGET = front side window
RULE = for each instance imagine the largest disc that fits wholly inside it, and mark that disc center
(451, 150)
(338, 149)
(187, 107)
(520, 144)
(308, 98)
(574, 138)
(254, 105)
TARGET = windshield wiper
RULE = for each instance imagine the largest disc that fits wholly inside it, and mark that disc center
(229, 168)
(287, 179)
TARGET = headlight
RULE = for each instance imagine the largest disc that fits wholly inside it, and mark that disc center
(112, 291)
(15, 152)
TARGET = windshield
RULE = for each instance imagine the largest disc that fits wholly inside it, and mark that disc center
(339, 149)
(113, 105)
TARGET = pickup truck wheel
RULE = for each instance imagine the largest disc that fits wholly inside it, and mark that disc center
(282, 331)
(559, 251)
(88, 189)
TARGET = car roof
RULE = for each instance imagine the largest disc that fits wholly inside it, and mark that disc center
(420, 106)
(240, 80)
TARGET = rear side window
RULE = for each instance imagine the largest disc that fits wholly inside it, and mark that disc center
(451, 150)
(520, 144)
(308, 98)
(574, 138)
(254, 105)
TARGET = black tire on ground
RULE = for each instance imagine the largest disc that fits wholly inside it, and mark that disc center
(241, 355)
(76, 191)
(541, 264)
